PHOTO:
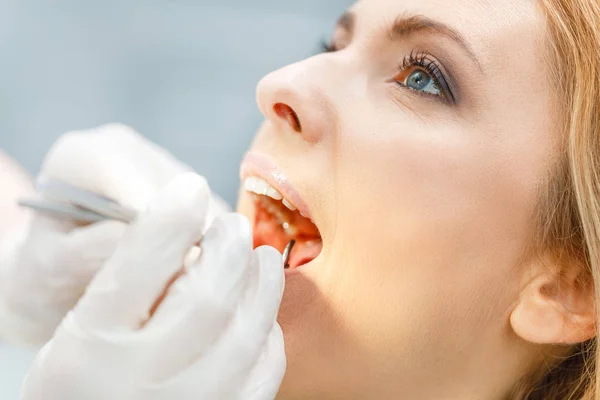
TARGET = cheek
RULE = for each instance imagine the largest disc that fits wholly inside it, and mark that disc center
(418, 188)
(434, 224)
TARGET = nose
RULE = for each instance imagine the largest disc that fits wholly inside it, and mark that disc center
(295, 98)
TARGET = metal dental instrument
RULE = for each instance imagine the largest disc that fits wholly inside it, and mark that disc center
(66, 201)
(287, 252)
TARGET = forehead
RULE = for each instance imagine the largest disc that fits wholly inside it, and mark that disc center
(491, 27)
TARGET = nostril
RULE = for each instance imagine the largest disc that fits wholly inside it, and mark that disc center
(286, 112)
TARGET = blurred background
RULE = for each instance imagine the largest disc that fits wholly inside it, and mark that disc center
(181, 72)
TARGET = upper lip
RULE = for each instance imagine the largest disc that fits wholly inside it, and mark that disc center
(262, 166)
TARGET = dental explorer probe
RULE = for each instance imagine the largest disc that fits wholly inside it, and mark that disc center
(287, 252)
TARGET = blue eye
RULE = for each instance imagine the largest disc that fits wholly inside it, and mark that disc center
(421, 81)
(420, 73)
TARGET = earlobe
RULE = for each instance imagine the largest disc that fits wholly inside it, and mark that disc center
(551, 311)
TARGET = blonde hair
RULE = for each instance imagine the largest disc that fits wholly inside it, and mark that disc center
(570, 207)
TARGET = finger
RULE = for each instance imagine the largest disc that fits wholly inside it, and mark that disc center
(238, 349)
(112, 160)
(77, 257)
(201, 303)
(151, 252)
(265, 378)
(217, 207)
(262, 384)
(266, 287)
(83, 251)
(263, 298)
(218, 277)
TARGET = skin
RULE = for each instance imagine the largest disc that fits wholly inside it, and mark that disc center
(425, 207)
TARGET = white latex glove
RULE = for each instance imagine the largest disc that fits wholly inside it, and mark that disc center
(213, 337)
(14, 183)
(46, 266)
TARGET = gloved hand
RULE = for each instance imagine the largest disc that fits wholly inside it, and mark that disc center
(47, 265)
(15, 182)
(213, 337)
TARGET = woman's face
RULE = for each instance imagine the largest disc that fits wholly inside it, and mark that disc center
(417, 147)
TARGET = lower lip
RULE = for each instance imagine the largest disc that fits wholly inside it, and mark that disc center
(297, 270)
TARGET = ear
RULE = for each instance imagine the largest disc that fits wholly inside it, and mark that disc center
(555, 307)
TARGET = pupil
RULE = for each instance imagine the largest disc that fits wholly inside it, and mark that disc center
(418, 80)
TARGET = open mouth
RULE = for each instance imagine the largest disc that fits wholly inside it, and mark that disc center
(277, 221)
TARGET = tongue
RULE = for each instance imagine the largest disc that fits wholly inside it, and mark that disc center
(304, 251)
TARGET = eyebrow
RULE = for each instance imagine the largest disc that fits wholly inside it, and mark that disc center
(408, 25)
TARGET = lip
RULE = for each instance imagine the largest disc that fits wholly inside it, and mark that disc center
(262, 166)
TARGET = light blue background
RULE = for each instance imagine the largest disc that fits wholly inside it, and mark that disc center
(181, 72)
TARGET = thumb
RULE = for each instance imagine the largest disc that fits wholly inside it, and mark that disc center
(264, 380)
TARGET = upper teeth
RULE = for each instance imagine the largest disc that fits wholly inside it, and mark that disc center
(260, 186)
(288, 204)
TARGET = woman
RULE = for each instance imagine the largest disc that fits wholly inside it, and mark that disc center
(437, 170)
(447, 152)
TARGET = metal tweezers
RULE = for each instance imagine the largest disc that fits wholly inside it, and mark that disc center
(66, 201)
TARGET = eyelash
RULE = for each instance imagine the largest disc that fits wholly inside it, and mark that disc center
(414, 59)
(422, 60)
